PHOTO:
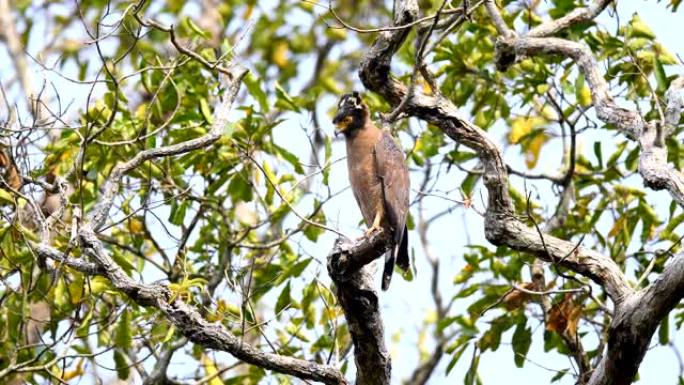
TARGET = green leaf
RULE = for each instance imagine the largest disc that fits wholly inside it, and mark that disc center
(239, 189)
(123, 337)
(285, 100)
(598, 153)
(639, 29)
(206, 111)
(177, 215)
(522, 338)
(284, 300)
(290, 158)
(469, 183)
(471, 376)
(661, 77)
(297, 269)
(664, 331)
(328, 154)
(455, 358)
(254, 85)
(195, 28)
(123, 370)
(123, 260)
(558, 376)
(5, 197)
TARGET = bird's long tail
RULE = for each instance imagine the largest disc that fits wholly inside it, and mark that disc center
(398, 254)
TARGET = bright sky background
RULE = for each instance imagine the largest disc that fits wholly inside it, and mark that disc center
(407, 304)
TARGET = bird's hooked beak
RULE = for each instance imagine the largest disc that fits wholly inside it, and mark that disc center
(342, 121)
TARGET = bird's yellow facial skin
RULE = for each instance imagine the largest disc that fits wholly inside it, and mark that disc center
(343, 124)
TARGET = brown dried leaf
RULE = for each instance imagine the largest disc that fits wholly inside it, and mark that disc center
(564, 316)
(516, 298)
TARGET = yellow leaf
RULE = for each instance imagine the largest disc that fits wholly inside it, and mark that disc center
(59, 293)
(279, 55)
(427, 89)
(584, 96)
(664, 55)
(98, 285)
(135, 225)
(639, 28)
(339, 34)
(141, 111)
(522, 126)
(71, 374)
(617, 227)
(527, 65)
(248, 12)
(533, 149)
(542, 88)
(211, 370)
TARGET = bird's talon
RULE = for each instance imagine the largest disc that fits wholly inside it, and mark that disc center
(371, 230)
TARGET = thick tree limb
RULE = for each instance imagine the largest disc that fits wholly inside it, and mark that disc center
(348, 257)
(601, 269)
(189, 321)
(577, 15)
(501, 226)
(354, 288)
(653, 166)
(635, 323)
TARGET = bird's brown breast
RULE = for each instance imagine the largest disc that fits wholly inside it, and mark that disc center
(363, 175)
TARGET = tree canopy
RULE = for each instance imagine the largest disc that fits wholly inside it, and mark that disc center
(175, 207)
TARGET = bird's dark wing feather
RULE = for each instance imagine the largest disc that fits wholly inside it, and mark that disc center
(393, 172)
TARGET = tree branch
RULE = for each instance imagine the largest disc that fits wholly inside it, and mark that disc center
(634, 324)
(99, 214)
(501, 225)
(349, 269)
(185, 318)
(577, 15)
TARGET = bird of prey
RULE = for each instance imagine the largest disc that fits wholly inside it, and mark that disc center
(379, 178)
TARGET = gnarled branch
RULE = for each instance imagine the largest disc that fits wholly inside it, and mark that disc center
(501, 226)
(348, 266)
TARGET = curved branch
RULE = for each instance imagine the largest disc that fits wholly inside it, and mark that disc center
(653, 166)
(627, 121)
(97, 217)
(501, 226)
(348, 257)
(185, 318)
(577, 15)
(189, 321)
(634, 325)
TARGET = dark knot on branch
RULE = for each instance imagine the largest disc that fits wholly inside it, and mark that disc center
(504, 54)
(347, 257)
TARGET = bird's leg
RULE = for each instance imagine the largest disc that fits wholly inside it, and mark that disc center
(377, 221)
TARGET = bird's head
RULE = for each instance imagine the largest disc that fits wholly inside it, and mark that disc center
(351, 115)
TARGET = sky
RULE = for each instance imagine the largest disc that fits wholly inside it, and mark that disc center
(407, 304)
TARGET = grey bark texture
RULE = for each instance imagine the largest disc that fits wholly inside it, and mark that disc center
(636, 314)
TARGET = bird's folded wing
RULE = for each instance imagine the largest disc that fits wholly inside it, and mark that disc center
(395, 180)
